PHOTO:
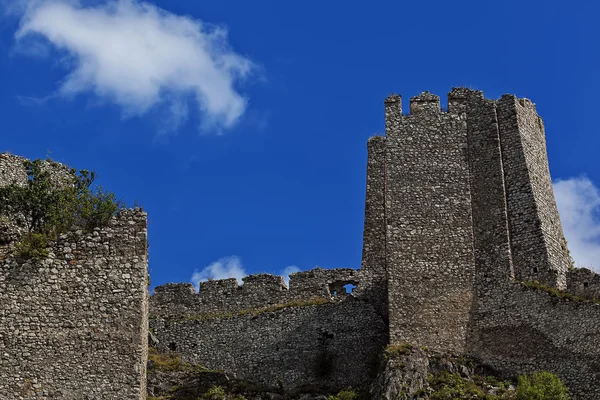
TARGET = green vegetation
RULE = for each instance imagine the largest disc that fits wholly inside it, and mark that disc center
(397, 350)
(449, 386)
(538, 386)
(347, 394)
(218, 393)
(541, 386)
(32, 245)
(169, 362)
(214, 393)
(52, 205)
(559, 294)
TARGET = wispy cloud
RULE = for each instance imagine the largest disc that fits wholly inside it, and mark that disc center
(578, 201)
(140, 57)
(231, 267)
(287, 271)
(226, 267)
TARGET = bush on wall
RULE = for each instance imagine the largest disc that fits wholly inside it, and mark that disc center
(53, 205)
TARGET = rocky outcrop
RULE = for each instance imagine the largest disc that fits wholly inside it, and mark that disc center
(409, 373)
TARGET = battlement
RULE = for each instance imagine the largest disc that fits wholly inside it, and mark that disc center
(425, 103)
(429, 103)
(257, 291)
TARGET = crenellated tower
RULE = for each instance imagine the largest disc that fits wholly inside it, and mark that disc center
(464, 201)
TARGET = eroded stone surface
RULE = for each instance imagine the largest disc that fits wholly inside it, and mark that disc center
(74, 325)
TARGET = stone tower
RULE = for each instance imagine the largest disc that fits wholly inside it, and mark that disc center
(74, 324)
(457, 202)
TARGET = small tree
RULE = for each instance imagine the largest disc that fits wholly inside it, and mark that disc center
(542, 386)
(53, 206)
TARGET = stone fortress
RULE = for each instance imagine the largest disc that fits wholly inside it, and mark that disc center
(460, 221)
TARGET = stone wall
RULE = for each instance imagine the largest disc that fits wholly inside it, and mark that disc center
(328, 346)
(258, 291)
(491, 239)
(74, 325)
(538, 246)
(374, 280)
(516, 330)
(12, 170)
(429, 248)
(583, 282)
(469, 211)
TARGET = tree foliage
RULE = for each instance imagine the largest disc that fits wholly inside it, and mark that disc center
(541, 386)
(50, 205)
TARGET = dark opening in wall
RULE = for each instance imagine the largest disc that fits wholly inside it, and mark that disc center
(586, 284)
(342, 288)
(324, 364)
(173, 346)
(327, 335)
(535, 270)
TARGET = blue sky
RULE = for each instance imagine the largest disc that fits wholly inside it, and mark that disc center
(241, 127)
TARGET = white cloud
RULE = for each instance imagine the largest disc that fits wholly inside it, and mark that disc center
(231, 267)
(287, 271)
(227, 267)
(140, 57)
(578, 201)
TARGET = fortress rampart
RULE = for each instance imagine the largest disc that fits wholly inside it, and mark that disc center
(463, 252)
(74, 324)
(469, 213)
(314, 333)
(257, 291)
(459, 211)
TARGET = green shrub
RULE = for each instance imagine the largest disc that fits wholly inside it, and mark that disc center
(559, 294)
(215, 393)
(541, 386)
(170, 362)
(50, 208)
(453, 386)
(32, 246)
(347, 394)
(397, 350)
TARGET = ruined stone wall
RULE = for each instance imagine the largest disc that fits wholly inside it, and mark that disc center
(12, 170)
(329, 346)
(583, 282)
(314, 333)
(429, 249)
(519, 330)
(257, 291)
(537, 242)
(74, 325)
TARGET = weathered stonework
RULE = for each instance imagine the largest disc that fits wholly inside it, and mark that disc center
(331, 346)
(74, 325)
(429, 241)
(314, 333)
(469, 211)
(12, 170)
(463, 253)
(583, 282)
(516, 330)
